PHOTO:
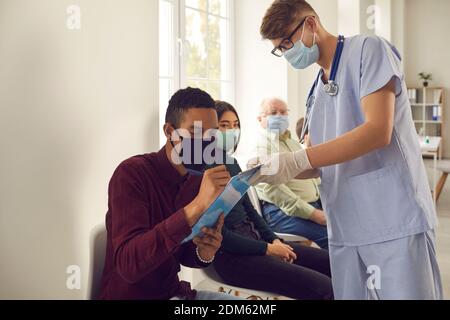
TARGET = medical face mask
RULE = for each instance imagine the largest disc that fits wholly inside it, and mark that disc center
(278, 124)
(196, 154)
(300, 56)
(228, 140)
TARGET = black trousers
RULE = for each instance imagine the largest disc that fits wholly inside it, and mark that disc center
(308, 278)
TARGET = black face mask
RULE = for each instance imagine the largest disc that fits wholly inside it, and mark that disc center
(197, 154)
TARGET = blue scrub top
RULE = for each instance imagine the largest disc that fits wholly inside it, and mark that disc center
(384, 195)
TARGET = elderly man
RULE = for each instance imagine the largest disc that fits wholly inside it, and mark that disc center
(294, 207)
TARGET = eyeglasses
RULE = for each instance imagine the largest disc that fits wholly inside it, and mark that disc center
(287, 44)
(275, 113)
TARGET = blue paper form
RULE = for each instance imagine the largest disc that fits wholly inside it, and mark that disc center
(225, 202)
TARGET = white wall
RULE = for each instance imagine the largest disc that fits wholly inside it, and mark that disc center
(74, 104)
(384, 21)
(398, 25)
(427, 48)
(349, 17)
(367, 17)
(259, 74)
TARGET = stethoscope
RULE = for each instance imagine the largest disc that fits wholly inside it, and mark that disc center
(331, 88)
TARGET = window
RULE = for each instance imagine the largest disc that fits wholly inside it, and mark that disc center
(207, 43)
(196, 48)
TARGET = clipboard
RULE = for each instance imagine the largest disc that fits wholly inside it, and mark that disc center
(236, 188)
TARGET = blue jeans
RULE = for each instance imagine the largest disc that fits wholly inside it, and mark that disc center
(283, 223)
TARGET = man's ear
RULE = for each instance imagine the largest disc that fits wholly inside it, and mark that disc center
(168, 130)
(313, 24)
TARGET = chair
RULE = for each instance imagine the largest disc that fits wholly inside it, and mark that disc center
(443, 166)
(97, 246)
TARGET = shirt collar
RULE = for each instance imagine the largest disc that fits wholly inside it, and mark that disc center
(272, 136)
(167, 170)
(285, 136)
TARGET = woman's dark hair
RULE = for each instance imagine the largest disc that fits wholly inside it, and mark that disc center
(222, 107)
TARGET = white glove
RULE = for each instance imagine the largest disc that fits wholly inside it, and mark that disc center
(280, 168)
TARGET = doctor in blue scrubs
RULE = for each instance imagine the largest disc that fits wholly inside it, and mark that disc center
(364, 146)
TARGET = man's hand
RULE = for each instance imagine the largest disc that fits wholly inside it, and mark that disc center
(213, 183)
(210, 242)
(282, 251)
(319, 217)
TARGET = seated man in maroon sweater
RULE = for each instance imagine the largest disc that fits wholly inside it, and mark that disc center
(154, 200)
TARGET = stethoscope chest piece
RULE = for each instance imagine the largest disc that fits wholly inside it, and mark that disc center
(331, 88)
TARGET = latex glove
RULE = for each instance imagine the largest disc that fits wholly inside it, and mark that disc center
(280, 168)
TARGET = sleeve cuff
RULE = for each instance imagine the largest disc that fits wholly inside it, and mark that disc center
(272, 238)
(177, 228)
(264, 248)
(306, 211)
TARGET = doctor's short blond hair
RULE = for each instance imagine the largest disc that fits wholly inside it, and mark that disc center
(282, 15)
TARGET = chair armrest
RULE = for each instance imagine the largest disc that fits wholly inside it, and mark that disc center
(291, 237)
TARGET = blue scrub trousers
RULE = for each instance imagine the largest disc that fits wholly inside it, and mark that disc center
(280, 222)
(402, 269)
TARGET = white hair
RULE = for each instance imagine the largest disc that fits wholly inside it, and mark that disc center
(270, 101)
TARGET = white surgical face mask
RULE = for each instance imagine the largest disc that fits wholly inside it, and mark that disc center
(278, 124)
(228, 140)
(300, 56)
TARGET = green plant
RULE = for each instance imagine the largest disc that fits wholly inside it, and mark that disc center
(426, 76)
